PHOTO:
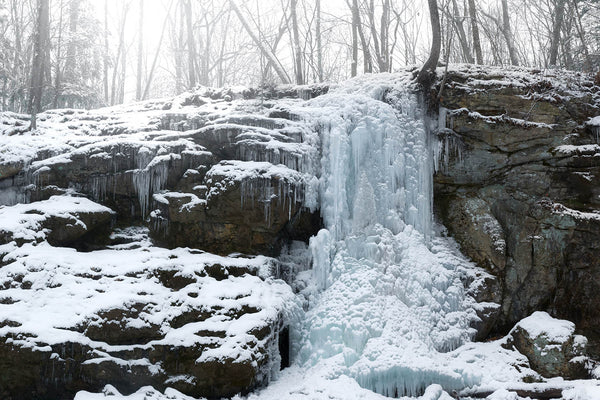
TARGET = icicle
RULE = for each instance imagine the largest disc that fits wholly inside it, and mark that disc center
(149, 178)
(321, 247)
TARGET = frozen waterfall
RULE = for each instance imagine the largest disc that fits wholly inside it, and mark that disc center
(390, 301)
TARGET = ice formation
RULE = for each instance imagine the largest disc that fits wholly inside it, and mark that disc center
(391, 300)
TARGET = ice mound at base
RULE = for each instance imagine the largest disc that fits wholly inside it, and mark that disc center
(392, 300)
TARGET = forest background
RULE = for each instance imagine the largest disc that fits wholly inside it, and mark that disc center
(92, 53)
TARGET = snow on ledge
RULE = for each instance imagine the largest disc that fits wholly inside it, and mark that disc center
(24, 220)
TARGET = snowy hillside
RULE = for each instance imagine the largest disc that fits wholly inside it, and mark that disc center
(194, 247)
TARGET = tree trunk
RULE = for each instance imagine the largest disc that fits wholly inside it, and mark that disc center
(220, 69)
(71, 60)
(587, 63)
(120, 51)
(297, 49)
(373, 28)
(106, 52)
(510, 41)
(354, 65)
(18, 102)
(319, 43)
(140, 53)
(123, 75)
(427, 73)
(39, 60)
(57, 73)
(462, 36)
(567, 31)
(179, 51)
(475, 30)
(190, 45)
(367, 61)
(385, 37)
(559, 12)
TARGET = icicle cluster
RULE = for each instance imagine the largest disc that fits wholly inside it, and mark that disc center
(446, 145)
(391, 300)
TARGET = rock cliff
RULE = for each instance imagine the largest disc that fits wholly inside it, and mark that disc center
(518, 186)
(233, 173)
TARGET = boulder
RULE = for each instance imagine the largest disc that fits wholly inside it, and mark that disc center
(551, 346)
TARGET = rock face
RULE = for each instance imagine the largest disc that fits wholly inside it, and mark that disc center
(61, 220)
(518, 187)
(134, 315)
(551, 346)
(193, 151)
(214, 171)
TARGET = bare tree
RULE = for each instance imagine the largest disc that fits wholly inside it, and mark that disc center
(140, 52)
(507, 31)
(427, 73)
(475, 31)
(319, 41)
(296, 38)
(558, 21)
(457, 21)
(106, 54)
(263, 48)
(190, 45)
(156, 54)
(40, 59)
(57, 73)
(355, 23)
(120, 55)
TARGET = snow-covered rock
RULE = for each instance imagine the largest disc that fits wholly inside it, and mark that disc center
(551, 346)
(136, 315)
(61, 220)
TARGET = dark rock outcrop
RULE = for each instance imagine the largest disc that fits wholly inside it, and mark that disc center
(190, 148)
(517, 186)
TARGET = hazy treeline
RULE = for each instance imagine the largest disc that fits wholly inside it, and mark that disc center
(88, 53)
